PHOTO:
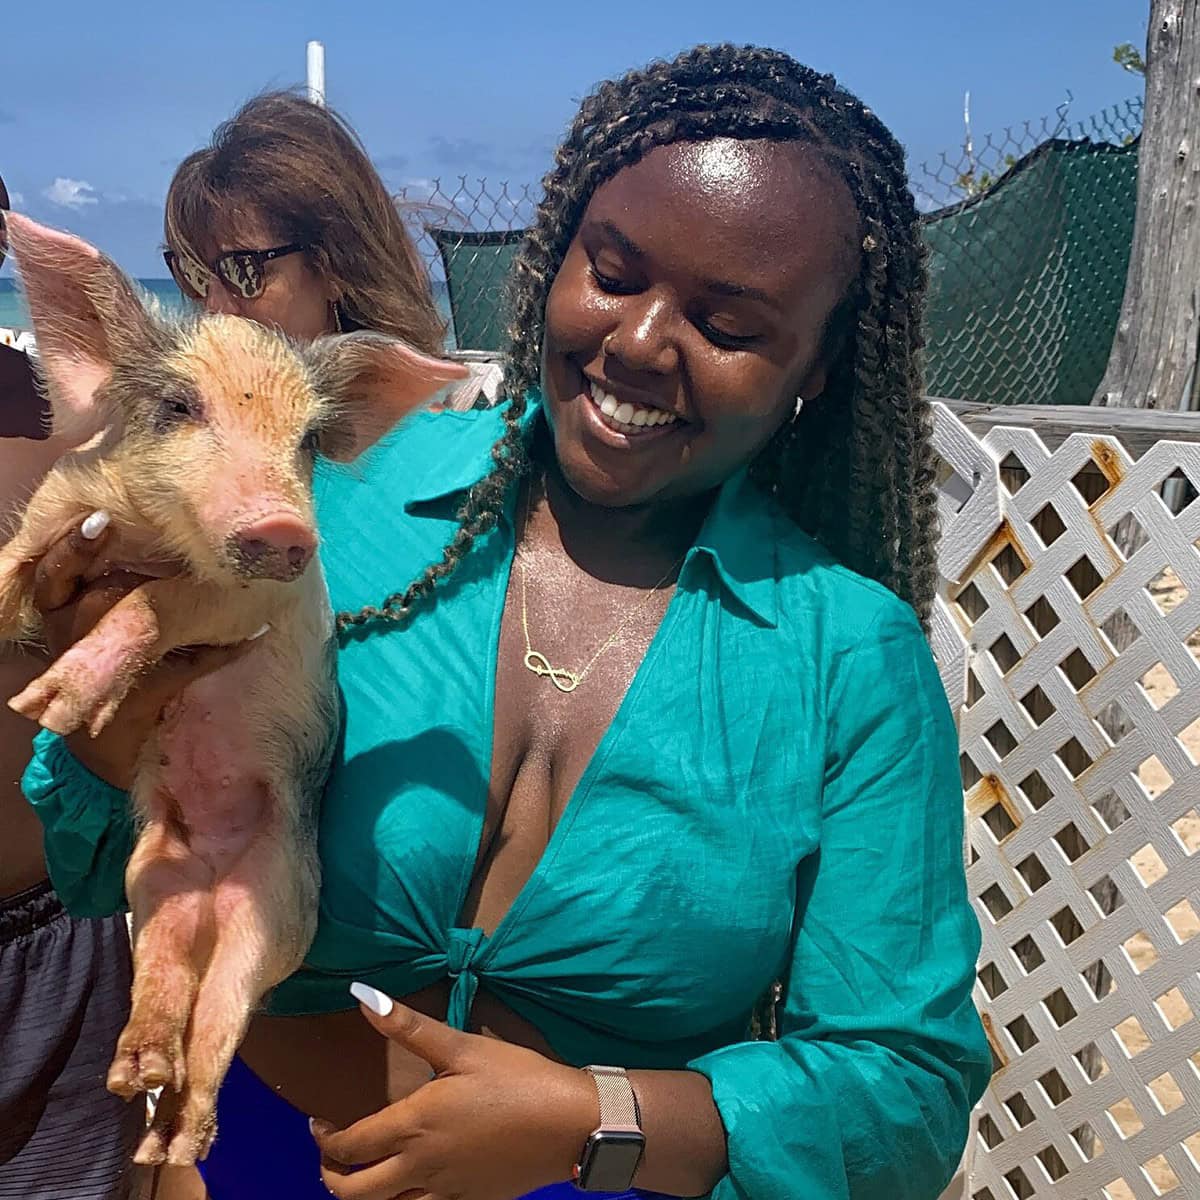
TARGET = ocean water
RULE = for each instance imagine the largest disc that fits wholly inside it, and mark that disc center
(14, 314)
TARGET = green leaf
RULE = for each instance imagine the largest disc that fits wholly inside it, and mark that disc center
(1128, 56)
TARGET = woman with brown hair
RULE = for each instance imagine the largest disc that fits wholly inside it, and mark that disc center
(283, 219)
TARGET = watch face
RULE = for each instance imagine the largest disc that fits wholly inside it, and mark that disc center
(612, 1159)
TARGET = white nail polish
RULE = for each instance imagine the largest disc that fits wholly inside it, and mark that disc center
(259, 633)
(373, 998)
(95, 525)
(311, 1122)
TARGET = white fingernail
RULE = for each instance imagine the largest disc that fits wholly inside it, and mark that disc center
(259, 633)
(311, 1123)
(373, 998)
(95, 525)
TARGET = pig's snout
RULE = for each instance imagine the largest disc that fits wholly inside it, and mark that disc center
(275, 547)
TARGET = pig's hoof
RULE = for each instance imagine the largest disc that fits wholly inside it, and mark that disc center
(72, 695)
(102, 716)
(194, 1135)
(157, 1069)
(52, 707)
(152, 1151)
(143, 1068)
(63, 711)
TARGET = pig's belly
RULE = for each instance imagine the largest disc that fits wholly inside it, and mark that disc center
(212, 775)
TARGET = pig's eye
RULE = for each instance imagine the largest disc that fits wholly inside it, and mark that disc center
(177, 406)
(310, 443)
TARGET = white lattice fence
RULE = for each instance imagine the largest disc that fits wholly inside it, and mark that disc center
(1083, 843)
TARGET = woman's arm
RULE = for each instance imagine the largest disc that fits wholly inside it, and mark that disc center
(685, 1140)
(881, 1056)
(88, 828)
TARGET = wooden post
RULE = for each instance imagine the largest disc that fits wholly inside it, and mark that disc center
(1154, 354)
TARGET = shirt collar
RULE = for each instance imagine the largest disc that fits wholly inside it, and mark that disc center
(738, 536)
(472, 460)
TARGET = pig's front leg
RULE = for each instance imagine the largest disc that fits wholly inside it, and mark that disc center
(86, 686)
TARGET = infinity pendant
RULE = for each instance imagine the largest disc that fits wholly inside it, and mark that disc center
(564, 680)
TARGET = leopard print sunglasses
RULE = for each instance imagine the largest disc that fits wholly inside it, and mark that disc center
(241, 271)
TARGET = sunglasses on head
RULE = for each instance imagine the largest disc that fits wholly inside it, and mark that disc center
(241, 271)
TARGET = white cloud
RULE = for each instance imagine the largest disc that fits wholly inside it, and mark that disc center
(16, 199)
(71, 193)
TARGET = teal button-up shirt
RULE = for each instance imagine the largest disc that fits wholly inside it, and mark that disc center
(776, 798)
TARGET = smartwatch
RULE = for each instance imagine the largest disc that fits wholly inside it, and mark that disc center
(612, 1153)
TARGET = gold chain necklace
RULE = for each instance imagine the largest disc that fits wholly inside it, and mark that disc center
(538, 663)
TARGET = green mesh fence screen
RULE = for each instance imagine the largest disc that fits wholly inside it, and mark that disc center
(1028, 232)
(476, 267)
(1026, 279)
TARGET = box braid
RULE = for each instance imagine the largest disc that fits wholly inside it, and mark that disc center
(855, 468)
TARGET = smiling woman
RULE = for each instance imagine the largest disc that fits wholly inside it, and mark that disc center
(673, 298)
(658, 729)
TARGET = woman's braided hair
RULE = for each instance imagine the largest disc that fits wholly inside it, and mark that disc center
(855, 468)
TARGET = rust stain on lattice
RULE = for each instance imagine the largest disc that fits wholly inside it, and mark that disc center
(1007, 534)
(1109, 463)
(1004, 536)
(998, 1052)
(985, 795)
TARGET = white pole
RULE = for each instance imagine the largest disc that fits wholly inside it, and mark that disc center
(316, 73)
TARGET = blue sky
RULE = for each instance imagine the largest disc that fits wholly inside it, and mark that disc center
(96, 110)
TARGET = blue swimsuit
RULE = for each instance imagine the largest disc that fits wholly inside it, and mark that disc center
(265, 1150)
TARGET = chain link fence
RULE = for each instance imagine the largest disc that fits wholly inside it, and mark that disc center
(1029, 237)
(1029, 234)
(468, 231)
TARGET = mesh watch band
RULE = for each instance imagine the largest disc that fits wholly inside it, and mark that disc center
(618, 1104)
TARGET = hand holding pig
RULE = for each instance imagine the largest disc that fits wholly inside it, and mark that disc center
(76, 583)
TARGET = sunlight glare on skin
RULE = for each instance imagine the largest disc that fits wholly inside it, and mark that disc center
(723, 162)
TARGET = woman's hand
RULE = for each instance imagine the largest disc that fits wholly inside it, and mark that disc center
(76, 582)
(494, 1122)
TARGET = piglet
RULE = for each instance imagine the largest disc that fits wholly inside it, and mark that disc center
(205, 435)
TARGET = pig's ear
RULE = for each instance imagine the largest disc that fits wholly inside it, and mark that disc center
(86, 316)
(373, 380)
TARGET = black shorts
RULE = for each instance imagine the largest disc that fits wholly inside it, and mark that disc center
(64, 998)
